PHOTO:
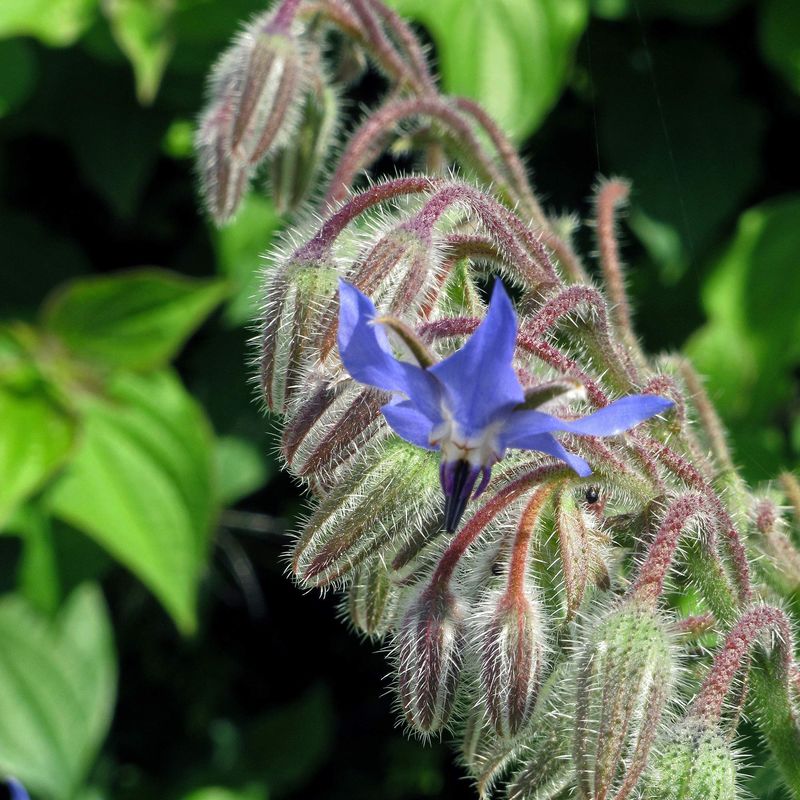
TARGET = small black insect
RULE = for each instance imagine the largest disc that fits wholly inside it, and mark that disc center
(592, 495)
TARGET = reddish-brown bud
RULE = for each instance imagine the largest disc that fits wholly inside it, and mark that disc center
(510, 644)
(428, 649)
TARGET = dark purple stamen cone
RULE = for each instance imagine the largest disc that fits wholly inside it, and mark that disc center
(458, 480)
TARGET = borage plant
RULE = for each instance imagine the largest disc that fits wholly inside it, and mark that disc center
(543, 524)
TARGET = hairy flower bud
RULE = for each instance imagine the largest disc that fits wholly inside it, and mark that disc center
(256, 92)
(510, 644)
(387, 493)
(292, 304)
(624, 681)
(584, 550)
(693, 763)
(428, 649)
(372, 598)
(293, 170)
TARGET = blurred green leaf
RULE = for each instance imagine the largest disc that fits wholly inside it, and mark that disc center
(142, 31)
(658, 128)
(779, 35)
(36, 436)
(17, 73)
(57, 689)
(241, 468)
(240, 247)
(690, 10)
(512, 56)
(55, 22)
(137, 320)
(38, 578)
(141, 485)
(220, 793)
(751, 343)
(289, 744)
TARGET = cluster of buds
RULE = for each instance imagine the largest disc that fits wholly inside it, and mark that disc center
(508, 491)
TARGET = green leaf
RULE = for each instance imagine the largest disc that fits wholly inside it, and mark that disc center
(17, 73)
(38, 578)
(670, 141)
(138, 320)
(141, 485)
(36, 436)
(512, 56)
(751, 343)
(240, 247)
(57, 690)
(779, 35)
(241, 468)
(289, 744)
(55, 22)
(141, 28)
(220, 793)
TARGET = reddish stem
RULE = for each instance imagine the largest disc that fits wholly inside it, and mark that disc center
(733, 655)
(319, 245)
(484, 515)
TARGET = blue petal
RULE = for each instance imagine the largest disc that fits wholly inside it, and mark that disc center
(614, 418)
(409, 423)
(480, 379)
(367, 355)
(16, 790)
(547, 443)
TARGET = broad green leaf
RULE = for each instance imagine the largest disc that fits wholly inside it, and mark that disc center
(221, 793)
(142, 31)
(55, 22)
(779, 35)
(751, 344)
(38, 579)
(691, 161)
(137, 320)
(241, 468)
(57, 690)
(36, 436)
(141, 485)
(240, 247)
(512, 56)
(17, 73)
(289, 744)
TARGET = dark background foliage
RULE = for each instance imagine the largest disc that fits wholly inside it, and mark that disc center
(270, 696)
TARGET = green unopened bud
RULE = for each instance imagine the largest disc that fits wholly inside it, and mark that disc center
(693, 763)
(372, 598)
(583, 546)
(625, 678)
(294, 168)
(293, 299)
(391, 490)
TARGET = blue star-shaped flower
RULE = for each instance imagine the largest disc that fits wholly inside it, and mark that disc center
(16, 790)
(469, 405)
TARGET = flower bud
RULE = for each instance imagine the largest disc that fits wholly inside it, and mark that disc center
(625, 677)
(547, 771)
(256, 91)
(294, 169)
(510, 646)
(270, 82)
(328, 430)
(394, 272)
(292, 302)
(583, 547)
(693, 763)
(390, 491)
(428, 654)
(223, 179)
(372, 598)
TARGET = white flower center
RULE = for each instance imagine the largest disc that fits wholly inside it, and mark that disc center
(480, 450)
